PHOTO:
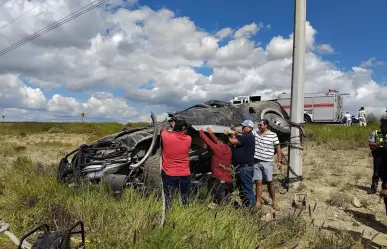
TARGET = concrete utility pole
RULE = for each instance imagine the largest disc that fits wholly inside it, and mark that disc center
(297, 93)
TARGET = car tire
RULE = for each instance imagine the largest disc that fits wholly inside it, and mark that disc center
(277, 124)
(152, 174)
(307, 119)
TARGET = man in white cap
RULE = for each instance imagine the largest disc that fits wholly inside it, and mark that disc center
(243, 160)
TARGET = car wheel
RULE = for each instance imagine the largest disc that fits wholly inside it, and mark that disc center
(152, 174)
(307, 119)
(64, 173)
(277, 124)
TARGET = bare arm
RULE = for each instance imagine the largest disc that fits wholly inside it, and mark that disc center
(372, 142)
(232, 139)
(236, 131)
(279, 153)
(374, 145)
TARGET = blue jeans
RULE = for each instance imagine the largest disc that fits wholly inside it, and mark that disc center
(244, 180)
(171, 183)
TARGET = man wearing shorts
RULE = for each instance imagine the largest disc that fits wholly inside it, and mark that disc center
(265, 143)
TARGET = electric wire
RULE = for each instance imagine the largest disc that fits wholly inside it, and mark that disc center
(22, 15)
(54, 25)
(4, 2)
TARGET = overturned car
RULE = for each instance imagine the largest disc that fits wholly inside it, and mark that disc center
(132, 157)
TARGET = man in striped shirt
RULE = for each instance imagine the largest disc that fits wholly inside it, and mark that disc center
(266, 142)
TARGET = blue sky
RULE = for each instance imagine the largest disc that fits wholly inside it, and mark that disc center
(354, 28)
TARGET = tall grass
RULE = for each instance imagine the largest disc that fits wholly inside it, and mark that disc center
(30, 196)
(338, 136)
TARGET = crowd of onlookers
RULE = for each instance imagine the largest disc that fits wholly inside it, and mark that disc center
(249, 152)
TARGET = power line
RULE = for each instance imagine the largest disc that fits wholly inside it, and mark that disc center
(22, 15)
(54, 25)
(4, 2)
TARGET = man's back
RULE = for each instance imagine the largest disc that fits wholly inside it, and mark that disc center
(176, 147)
(221, 161)
(362, 114)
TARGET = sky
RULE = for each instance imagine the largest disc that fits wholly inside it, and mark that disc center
(123, 60)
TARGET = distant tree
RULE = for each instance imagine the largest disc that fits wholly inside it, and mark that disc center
(3, 116)
(83, 116)
(372, 118)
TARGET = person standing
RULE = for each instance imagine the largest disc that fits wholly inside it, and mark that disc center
(377, 142)
(383, 192)
(362, 117)
(220, 183)
(348, 119)
(175, 161)
(266, 143)
(243, 161)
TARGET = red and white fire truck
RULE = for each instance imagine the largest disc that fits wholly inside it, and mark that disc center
(323, 107)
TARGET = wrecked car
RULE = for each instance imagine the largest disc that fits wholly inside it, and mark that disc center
(132, 157)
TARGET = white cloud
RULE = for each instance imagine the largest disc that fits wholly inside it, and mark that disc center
(247, 31)
(223, 33)
(325, 49)
(159, 50)
(280, 48)
(13, 93)
(372, 62)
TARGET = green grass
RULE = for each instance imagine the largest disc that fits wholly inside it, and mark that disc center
(98, 129)
(30, 196)
(339, 137)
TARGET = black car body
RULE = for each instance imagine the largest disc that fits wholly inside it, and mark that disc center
(132, 157)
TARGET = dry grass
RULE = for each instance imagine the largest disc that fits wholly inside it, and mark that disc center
(32, 196)
(339, 199)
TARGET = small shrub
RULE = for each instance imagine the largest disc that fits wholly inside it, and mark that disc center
(55, 130)
(339, 199)
(19, 148)
(22, 163)
(22, 134)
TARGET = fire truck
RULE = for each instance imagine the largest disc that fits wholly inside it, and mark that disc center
(323, 107)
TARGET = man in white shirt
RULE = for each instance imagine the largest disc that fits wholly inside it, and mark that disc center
(362, 117)
(266, 142)
(348, 119)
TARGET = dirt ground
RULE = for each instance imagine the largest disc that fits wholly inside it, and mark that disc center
(332, 179)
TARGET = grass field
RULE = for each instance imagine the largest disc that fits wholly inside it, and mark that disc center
(30, 195)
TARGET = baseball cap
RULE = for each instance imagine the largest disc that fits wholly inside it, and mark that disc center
(248, 123)
(170, 119)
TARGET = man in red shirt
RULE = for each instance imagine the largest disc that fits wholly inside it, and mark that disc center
(175, 161)
(220, 183)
